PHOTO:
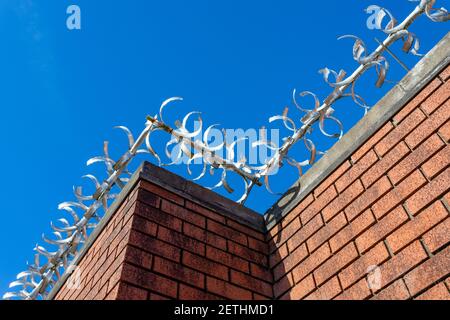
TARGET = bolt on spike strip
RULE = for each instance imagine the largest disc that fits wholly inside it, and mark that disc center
(69, 237)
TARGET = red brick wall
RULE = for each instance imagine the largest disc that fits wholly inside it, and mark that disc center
(160, 245)
(385, 207)
(99, 270)
(377, 228)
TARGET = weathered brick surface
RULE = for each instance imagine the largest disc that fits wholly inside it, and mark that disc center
(377, 227)
(358, 291)
(384, 209)
(396, 291)
(380, 230)
(171, 248)
(438, 292)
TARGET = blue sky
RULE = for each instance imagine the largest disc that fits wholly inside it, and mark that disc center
(62, 91)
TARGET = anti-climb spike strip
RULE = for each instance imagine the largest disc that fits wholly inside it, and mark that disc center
(69, 236)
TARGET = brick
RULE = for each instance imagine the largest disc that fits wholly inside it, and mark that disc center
(111, 235)
(250, 283)
(111, 264)
(95, 292)
(398, 194)
(438, 163)
(122, 215)
(297, 210)
(380, 134)
(290, 262)
(258, 297)
(417, 227)
(258, 245)
(154, 246)
(181, 241)
(352, 230)
(429, 272)
(205, 212)
(342, 200)
(445, 74)
(376, 191)
(227, 290)
(157, 297)
(283, 234)
(101, 243)
(388, 161)
(129, 292)
(444, 131)
(112, 294)
(400, 132)
(227, 259)
(438, 237)
(359, 268)
(227, 232)
(324, 199)
(425, 129)
(120, 242)
(447, 199)
(247, 253)
(356, 171)
(147, 197)
(311, 263)
(429, 193)
(138, 257)
(358, 291)
(284, 284)
(438, 292)
(145, 279)
(81, 295)
(336, 263)
(179, 272)
(157, 216)
(113, 277)
(415, 159)
(305, 232)
(122, 237)
(191, 294)
(278, 255)
(204, 265)
(183, 213)
(161, 192)
(301, 289)
(327, 291)
(204, 236)
(382, 229)
(396, 291)
(326, 232)
(258, 235)
(144, 226)
(91, 272)
(280, 234)
(332, 178)
(126, 218)
(417, 100)
(401, 263)
(261, 273)
(437, 98)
